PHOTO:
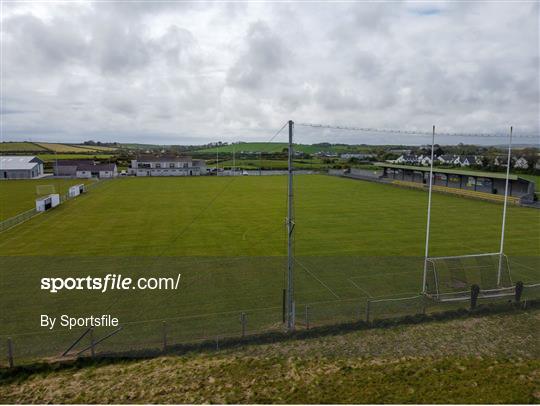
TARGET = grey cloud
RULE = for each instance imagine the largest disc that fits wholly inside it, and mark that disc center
(264, 58)
(169, 69)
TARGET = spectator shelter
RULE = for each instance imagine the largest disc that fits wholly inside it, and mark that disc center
(482, 182)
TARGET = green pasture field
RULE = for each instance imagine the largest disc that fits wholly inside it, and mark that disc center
(64, 148)
(226, 237)
(20, 147)
(99, 148)
(17, 196)
(54, 157)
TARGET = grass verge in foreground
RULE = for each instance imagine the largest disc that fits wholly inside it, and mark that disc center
(492, 359)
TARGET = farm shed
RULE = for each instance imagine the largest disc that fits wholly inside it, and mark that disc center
(47, 202)
(20, 167)
(486, 182)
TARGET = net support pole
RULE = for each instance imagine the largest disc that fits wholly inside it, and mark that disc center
(290, 234)
(426, 253)
(234, 160)
(501, 249)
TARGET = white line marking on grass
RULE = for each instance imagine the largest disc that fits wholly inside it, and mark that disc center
(359, 288)
(318, 280)
(513, 261)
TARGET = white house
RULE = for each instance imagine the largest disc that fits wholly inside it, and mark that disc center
(424, 160)
(148, 165)
(521, 163)
(20, 167)
(406, 159)
(502, 160)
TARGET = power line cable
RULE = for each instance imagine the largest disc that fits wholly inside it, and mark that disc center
(410, 132)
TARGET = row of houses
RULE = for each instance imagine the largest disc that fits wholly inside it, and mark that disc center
(459, 160)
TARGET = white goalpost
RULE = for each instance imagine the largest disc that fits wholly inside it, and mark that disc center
(449, 278)
(42, 190)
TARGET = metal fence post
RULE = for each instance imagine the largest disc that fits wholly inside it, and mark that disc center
(243, 322)
(307, 317)
(164, 332)
(367, 310)
(92, 346)
(518, 291)
(475, 290)
(217, 343)
(10, 352)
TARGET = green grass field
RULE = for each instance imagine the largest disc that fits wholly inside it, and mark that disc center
(54, 157)
(20, 195)
(20, 147)
(64, 148)
(226, 236)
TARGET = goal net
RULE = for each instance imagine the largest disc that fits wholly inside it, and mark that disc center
(42, 190)
(451, 278)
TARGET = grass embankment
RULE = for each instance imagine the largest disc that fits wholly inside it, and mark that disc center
(492, 359)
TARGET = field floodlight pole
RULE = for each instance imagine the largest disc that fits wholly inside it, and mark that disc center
(424, 278)
(290, 235)
(501, 250)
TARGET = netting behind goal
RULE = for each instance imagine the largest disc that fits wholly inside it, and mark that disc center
(42, 190)
(453, 276)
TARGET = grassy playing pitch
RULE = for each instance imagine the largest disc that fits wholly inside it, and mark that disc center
(20, 195)
(226, 236)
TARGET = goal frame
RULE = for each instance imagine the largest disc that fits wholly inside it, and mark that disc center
(499, 291)
(48, 189)
(428, 224)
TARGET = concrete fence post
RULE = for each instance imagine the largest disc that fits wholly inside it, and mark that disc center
(10, 352)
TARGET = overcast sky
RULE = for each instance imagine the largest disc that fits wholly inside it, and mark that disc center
(192, 73)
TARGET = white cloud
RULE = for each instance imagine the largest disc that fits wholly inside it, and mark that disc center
(185, 72)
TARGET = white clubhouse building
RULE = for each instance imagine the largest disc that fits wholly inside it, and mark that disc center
(149, 165)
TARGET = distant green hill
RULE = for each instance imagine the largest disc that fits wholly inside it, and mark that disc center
(280, 146)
